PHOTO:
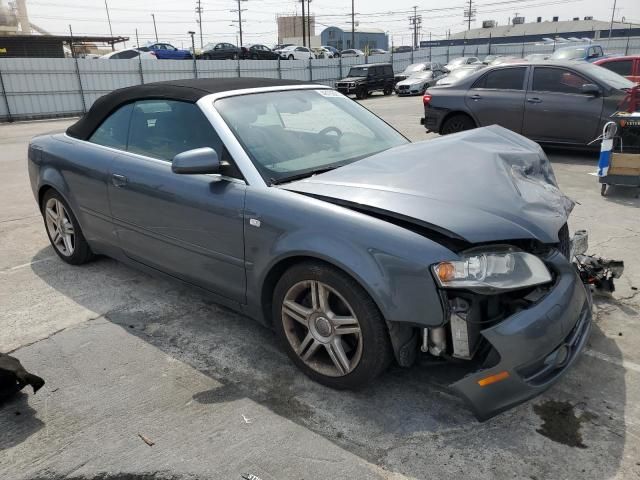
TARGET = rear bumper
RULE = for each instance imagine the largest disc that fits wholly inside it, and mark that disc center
(433, 118)
(536, 346)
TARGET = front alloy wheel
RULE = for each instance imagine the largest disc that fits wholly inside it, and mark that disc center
(330, 327)
(322, 329)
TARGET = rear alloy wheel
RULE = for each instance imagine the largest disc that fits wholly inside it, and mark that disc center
(235, 56)
(387, 91)
(63, 230)
(457, 123)
(330, 327)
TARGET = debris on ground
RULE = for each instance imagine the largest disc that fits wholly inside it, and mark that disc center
(246, 420)
(250, 476)
(146, 440)
(13, 377)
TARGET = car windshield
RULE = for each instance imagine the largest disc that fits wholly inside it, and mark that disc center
(296, 133)
(459, 74)
(569, 53)
(458, 61)
(607, 76)
(414, 67)
(358, 71)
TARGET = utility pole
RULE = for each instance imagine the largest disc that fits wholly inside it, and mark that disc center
(154, 25)
(199, 12)
(109, 21)
(470, 14)
(415, 21)
(240, 10)
(353, 24)
(309, 22)
(304, 27)
(613, 12)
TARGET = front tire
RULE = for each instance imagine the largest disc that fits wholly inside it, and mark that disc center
(63, 230)
(291, 57)
(457, 123)
(387, 91)
(361, 93)
(330, 327)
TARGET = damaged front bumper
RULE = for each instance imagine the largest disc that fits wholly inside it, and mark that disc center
(536, 346)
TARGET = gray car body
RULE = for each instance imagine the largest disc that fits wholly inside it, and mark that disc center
(546, 117)
(233, 238)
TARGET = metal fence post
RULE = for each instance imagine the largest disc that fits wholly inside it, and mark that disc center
(340, 75)
(447, 53)
(279, 67)
(238, 68)
(6, 99)
(310, 70)
(75, 57)
(411, 54)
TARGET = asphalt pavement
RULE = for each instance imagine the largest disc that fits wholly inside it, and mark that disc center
(148, 380)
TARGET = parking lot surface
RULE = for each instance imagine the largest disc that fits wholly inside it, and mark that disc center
(132, 360)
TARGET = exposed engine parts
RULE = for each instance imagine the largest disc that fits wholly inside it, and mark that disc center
(599, 271)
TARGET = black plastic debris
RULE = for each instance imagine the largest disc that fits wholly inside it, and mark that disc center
(599, 271)
(13, 377)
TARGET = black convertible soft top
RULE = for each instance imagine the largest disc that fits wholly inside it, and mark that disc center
(185, 90)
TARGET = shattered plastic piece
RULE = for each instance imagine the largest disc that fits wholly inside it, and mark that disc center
(250, 476)
(146, 440)
(13, 377)
(246, 420)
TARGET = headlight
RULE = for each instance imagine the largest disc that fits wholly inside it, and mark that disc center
(352, 84)
(507, 269)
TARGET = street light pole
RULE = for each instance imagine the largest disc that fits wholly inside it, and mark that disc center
(154, 26)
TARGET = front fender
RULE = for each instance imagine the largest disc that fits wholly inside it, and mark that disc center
(391, 263)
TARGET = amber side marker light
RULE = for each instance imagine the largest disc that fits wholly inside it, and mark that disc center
(446, 271)
(486, 381)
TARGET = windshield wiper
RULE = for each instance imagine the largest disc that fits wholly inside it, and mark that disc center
(298, 176)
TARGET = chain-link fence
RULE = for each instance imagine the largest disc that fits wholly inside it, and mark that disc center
(33, 88)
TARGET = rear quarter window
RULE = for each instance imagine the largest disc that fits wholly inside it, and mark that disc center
(502, 79)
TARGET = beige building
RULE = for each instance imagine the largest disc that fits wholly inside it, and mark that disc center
(291, 27)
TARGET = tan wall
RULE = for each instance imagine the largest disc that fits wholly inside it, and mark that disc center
(291, 27)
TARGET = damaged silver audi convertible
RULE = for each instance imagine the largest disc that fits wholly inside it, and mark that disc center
(297, 206)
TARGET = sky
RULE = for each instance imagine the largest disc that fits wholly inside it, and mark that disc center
(174, 18)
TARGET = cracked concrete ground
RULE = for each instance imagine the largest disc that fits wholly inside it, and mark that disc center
(126, 355)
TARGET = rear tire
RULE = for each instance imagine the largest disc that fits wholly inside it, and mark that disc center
(457, 123)
(64, 230)
(291, 57)
(387, 91)
(330, 327)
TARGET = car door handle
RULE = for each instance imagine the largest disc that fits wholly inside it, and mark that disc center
(118, 180)
(534, 100)
(476, 97)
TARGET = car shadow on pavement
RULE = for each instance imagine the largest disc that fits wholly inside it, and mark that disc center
(406, 422)
(18, 421)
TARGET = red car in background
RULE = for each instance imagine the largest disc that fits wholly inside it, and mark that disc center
(628, 66)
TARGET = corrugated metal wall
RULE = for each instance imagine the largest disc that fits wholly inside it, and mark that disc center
(55, 87)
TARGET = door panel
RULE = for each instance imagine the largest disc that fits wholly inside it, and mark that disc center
(555, 111)
(189, 226)
(498, 98)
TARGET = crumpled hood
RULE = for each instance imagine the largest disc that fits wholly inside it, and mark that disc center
(483, 185)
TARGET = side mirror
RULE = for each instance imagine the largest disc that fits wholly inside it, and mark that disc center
(591, 89)
(196, 161)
